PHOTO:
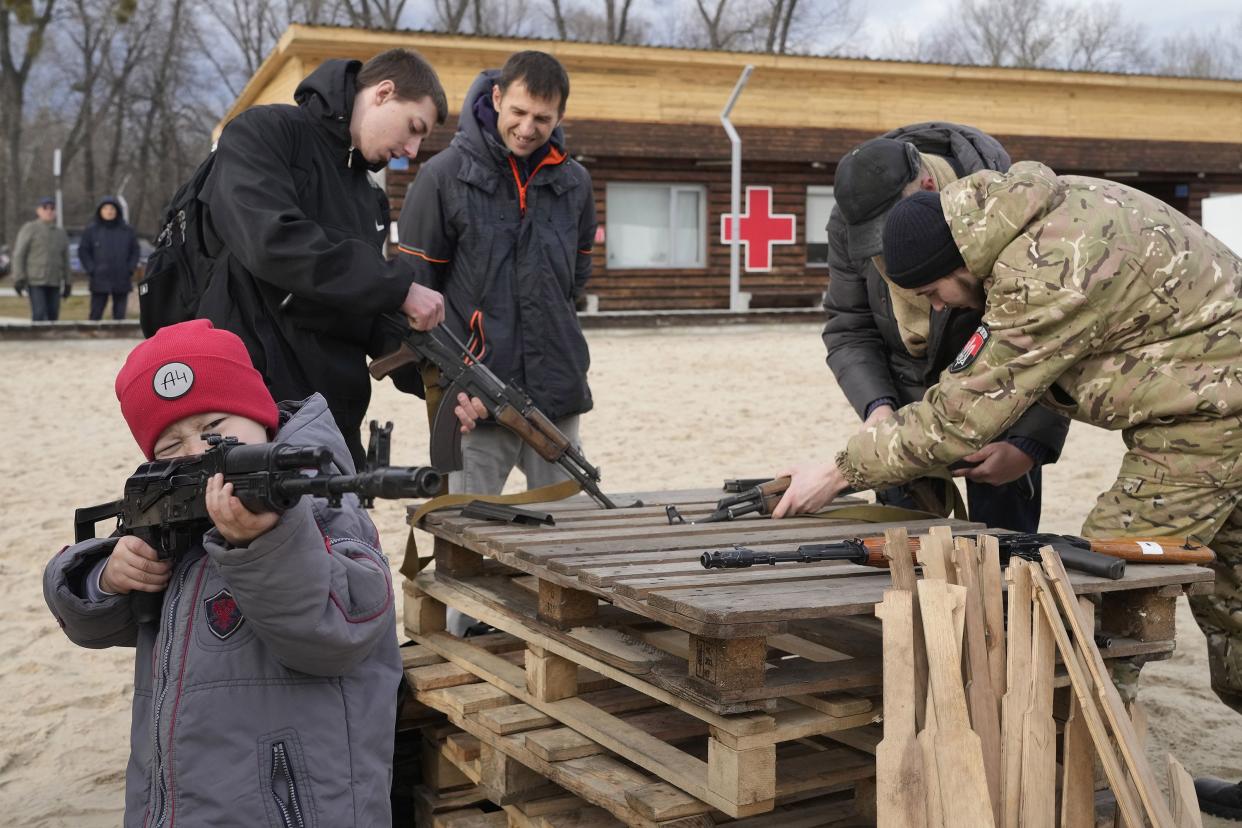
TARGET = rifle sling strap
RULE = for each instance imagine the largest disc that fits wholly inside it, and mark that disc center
(412, 564)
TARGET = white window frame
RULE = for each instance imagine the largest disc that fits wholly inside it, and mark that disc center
(700, 190)
(814, 190)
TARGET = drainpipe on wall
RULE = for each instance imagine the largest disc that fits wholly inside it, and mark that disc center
(738, 301)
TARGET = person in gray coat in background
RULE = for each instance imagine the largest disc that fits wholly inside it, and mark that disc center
(109, 253)
(887, 346)
(266, 693)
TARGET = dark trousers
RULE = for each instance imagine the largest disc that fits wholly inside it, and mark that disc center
(44, 303)
(1013, 506)
(100, 300)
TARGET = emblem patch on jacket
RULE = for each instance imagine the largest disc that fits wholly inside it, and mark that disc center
(970, 351)
(224, 617)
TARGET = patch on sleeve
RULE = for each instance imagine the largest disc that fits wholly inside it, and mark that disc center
(224, 617)
(971, 350)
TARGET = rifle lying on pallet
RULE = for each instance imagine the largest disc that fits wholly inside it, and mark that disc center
(165, 500)
(1102, 558)
(508, 405)
(758, 495)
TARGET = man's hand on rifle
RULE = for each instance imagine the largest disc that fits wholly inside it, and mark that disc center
(134, 565)
(812, 486)
(424, 306)
(235, 522)
(469, 411)
(998, 463)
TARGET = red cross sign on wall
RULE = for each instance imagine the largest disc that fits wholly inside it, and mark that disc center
(760, 229)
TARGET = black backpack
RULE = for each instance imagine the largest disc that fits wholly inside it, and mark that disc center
(179, 267)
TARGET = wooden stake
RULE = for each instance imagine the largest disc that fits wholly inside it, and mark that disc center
(1039, 740)
(1182, 793)
(1021, 606)
(984, 713)
(900, 786)
(993, 609)
(1077, 771)
(1084, 690)
(901, 567)
(1109, 700)
(963, 787)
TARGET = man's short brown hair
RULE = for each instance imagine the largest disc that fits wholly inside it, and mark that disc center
(543, 76)
(411, 75)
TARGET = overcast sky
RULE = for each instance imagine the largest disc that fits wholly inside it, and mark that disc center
(1160, 17)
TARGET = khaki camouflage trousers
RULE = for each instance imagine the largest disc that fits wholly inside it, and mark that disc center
(1186, 485)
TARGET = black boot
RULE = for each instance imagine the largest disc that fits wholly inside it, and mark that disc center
(1219, 798)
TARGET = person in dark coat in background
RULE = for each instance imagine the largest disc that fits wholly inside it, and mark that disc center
(887, 346)
(297, 229)
(109, 253)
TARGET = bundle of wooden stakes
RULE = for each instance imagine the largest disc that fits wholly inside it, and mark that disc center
(970, 739)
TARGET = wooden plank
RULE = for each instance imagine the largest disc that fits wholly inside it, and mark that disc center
(1110, 701)
(1039, 733)
(983, 701)
(900, 786)
(901, 568)
(994, 609)
(548, 676)
(1182, 794)
(965, 790)
(507, 780)
(1084, 689)
(1078, 771)
(781, 602)
(1018, 680)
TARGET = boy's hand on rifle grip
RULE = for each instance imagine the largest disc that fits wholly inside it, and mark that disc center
(812, 486)
(134, 565)
(469, 411)
(236, 523)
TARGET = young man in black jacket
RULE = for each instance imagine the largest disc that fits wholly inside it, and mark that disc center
(298, 228)
(886, 345)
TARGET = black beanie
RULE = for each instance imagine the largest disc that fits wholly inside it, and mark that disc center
(918, 245)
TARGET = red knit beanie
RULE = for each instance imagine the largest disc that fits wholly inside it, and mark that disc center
(189, 369)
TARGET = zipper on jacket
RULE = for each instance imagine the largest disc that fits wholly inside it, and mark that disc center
(160, 788)
(285, 788)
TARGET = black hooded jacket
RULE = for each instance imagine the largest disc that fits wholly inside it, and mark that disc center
(299, 229)
(865, 350)
(109, 252)
(508, 242)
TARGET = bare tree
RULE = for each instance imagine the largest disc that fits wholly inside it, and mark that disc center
(28, 22)
(450, 14)
(374, 14)
(724, 28)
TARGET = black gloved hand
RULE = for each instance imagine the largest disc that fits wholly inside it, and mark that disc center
(66, 290)
(19, 288)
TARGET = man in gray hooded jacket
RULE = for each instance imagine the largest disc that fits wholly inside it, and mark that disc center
(265, 694)
(887, 346)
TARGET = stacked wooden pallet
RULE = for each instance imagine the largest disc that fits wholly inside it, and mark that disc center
(669, 695)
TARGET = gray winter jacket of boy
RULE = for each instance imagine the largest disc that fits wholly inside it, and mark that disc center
(266, 694)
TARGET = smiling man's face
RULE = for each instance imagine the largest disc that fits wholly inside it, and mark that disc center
(525, 123)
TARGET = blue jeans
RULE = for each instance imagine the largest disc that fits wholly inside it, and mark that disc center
(44, 303)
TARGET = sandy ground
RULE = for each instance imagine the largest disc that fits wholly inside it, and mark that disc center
(674, 408)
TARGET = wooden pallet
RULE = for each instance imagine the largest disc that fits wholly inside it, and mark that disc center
(687, 764)
(747, 637)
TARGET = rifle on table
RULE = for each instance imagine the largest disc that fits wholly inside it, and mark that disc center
(461, 371)
(164, 501)
(758, 495)
(1102, 558)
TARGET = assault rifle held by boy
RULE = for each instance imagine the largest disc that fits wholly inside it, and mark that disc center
(461, 371)
(164, 501)
(1102, 558)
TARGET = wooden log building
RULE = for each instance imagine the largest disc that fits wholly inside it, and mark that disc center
(645, 122)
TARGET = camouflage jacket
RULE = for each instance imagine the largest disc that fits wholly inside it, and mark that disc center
(1103, 303)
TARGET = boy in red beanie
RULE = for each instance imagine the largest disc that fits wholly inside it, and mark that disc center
(265, 693)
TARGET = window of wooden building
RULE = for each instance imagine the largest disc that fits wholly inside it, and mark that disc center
(656, 226)
(819, 204)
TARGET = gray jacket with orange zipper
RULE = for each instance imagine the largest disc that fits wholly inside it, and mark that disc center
(508, 243)
(266, 694)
